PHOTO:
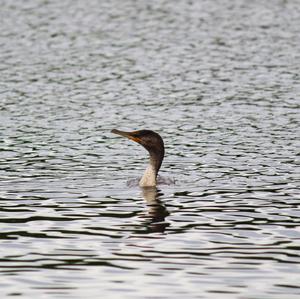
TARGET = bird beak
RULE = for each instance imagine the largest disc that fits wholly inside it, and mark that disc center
(129, 135)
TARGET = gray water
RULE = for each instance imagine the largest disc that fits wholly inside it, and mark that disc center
(219, 80)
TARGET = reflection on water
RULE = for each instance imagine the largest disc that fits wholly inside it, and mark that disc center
(156, 212)
(218, 80)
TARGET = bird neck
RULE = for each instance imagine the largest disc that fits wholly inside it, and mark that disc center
(150, 174)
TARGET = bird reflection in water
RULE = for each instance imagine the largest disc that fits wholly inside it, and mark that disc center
(156, 212)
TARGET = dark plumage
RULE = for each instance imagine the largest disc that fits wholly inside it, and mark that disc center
(154, 144)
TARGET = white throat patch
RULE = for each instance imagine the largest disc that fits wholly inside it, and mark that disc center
(149, 177)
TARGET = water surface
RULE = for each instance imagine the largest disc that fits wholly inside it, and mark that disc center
(219, 80)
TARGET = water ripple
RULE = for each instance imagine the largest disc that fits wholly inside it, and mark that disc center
(218, 80)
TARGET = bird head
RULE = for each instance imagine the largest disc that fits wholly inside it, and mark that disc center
(150, 140)
(154, 144)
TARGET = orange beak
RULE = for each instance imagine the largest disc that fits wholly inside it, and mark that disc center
(129, 135)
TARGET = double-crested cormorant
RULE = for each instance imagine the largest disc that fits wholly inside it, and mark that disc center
(154, 144)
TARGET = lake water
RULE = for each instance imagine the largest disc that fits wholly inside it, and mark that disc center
(219, 80)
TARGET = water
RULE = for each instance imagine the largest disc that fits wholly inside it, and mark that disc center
(219, 80)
